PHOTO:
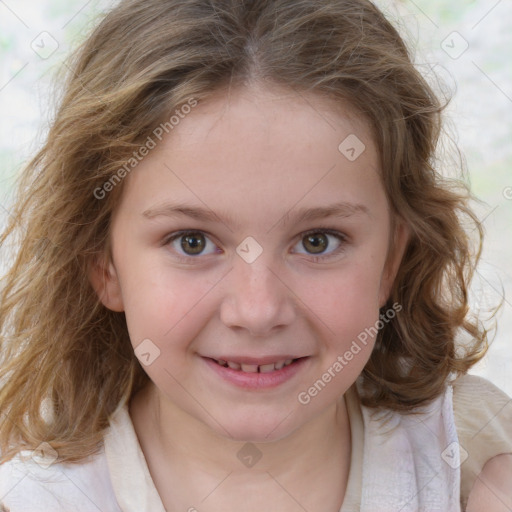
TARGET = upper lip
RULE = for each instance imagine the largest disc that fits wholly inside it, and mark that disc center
(255, 360)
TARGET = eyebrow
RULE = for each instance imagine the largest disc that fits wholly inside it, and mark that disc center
(342, 209)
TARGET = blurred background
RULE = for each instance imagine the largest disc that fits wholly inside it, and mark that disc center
(466, 43)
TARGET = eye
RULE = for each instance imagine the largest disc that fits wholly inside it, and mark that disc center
(190, 244)
(318, 241)
(322, 242)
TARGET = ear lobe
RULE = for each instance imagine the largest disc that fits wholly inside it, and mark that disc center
(399, 245)
(104, 280)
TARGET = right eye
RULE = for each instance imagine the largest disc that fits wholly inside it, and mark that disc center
(190, 244)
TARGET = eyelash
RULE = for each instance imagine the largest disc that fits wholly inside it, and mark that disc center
(342, 238)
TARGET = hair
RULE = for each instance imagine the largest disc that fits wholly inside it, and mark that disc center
(66, 360)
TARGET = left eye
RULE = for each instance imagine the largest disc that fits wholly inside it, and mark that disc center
(317, 242)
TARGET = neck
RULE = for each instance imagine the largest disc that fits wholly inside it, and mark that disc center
(308, 465)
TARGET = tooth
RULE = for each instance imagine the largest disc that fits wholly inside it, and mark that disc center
(250, 368)
(221, 362)
(234, 366)
(279, 365)
(266, 368)
(288, 361)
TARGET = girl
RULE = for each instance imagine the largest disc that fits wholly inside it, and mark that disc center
(241, 281)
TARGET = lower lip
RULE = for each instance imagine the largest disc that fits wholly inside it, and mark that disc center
(257, 380)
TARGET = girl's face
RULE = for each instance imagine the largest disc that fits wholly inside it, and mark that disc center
(284, 259)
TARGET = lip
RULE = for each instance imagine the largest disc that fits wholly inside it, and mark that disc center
(257, 381)
(255, 360)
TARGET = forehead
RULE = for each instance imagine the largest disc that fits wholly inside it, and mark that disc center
(263, 150)
(261, 112)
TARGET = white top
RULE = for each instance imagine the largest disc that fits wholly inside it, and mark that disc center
(398, 462)
(411, 463)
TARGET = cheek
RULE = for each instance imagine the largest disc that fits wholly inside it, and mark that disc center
(346, 299)
(164, 317)
(162, 304)
(348, 312)
(347, 307)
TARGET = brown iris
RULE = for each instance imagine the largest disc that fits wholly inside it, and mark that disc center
(193, 243)
(317, 242)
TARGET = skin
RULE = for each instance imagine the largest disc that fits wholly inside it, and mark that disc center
(492, 491)
(257, 155)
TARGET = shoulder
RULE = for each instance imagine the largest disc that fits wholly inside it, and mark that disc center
(483, 417)
(29, 482)
(492, 490)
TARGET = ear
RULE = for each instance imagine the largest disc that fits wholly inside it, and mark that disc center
(104, 280)
(400, 239)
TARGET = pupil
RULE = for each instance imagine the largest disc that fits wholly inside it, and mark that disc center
(194, 242)
(318, 242)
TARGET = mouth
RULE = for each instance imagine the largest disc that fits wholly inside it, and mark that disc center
(254, 374)
(256, 368)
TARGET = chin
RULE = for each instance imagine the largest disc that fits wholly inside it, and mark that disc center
(254, 429)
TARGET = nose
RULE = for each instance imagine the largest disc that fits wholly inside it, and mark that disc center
(257, 299)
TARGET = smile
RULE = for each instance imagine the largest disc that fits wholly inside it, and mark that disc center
(254, 374)
(254, 368)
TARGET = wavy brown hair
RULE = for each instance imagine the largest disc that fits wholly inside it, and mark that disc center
(66, 361)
